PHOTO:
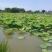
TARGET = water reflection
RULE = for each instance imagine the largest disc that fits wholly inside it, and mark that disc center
(7, 35)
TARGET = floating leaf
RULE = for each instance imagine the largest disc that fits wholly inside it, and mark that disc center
(48, 44)
(44, 50)
(43, 46)
(50, 41)
(50, 37)
(21, 37)
(49, 50)
(46, 39)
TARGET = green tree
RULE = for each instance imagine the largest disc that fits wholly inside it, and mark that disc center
(21, 10)
(8, 9)
(43, 11)
(30, 11)
(37, 11)
(15, 10)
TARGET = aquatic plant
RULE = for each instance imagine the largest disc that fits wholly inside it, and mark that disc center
(44, 50)
(21, 37)
(36, 24)
(44, 47)
(3, 46)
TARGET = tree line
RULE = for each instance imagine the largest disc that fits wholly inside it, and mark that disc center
(22, 10)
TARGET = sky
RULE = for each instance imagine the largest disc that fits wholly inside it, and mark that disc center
(27, 4)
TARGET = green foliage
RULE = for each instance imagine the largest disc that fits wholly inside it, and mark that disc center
(45, 38)
(44, 50)
(50, 41)
(3, 46)
(49, 50)
(8, 9)
(37, 11)
(43, 11)
(43, 46)
(50, 38)
(37, 24)
(21, 37)
(48, 44)
(13, 10)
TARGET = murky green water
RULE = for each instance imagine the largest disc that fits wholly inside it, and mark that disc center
(29, 44)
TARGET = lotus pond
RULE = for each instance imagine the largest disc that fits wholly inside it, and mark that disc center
(26, 32)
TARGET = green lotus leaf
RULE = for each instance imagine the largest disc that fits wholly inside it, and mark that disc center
(50, 37)
(21, 37)
(46, 33)
(43, 46)
(19, 23)
(49, 50)
(50, 41)
(46, 39)
(44, 50)
(48, 44)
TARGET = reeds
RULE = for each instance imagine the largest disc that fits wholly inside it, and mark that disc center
(3, 46)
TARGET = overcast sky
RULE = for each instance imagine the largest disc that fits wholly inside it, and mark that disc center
(27, 4)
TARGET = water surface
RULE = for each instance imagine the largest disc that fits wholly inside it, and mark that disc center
(29, 44)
